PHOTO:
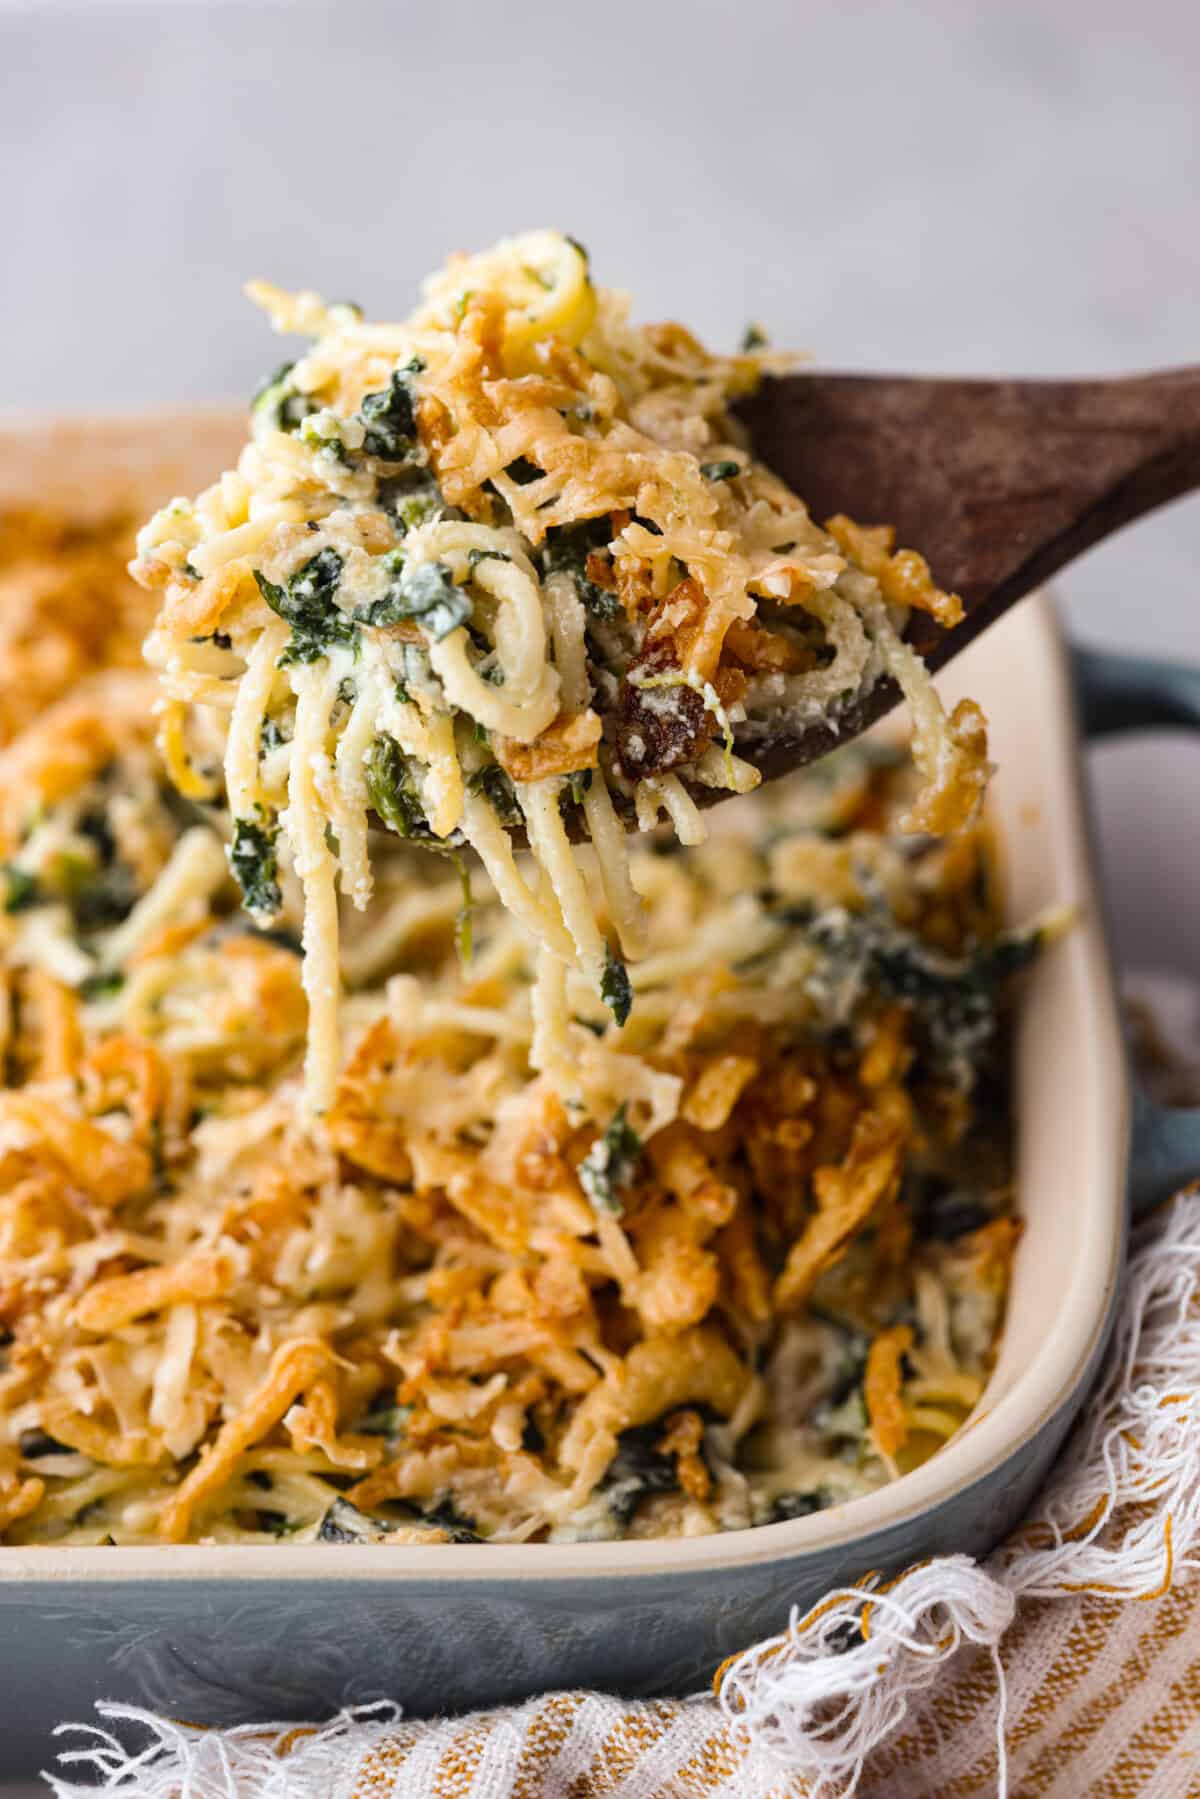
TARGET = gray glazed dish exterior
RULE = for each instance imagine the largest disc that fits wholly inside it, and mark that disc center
(232, 1635)
(230, 1650)
(234, 1649)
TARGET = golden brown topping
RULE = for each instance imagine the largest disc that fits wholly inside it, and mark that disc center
(295, 1367)
(903, 577)
(882, 1388)
(846, 1194)
(565, 747)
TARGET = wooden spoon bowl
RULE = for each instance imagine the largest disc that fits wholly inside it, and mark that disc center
(998, 483)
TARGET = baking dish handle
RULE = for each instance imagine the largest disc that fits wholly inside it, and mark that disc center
(1137, 693)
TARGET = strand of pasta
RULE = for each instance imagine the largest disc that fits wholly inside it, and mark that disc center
(568, 627)
(668, 793)
(196, 869)
(550, 844)
(243, 783)
(192, 784)
(551, 1019)
(612, 855)
(352, 800)
(197, 687)
(444, 790)
(493, 845)
(304, 821)
(466, 689)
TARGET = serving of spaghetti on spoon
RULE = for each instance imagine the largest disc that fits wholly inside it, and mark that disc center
(510, 571)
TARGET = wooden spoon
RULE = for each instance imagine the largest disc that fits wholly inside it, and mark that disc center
(997, 483)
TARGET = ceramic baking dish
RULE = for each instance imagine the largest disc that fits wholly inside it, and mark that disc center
(233, 1634)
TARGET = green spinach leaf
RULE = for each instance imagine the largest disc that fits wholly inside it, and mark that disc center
(277, 400)
(255, 863)
(566, 550)
(616, 989)
(389, 417)
(306, 602)
(392, 790)
(426, 594)
(611, 1163)
(21, 889)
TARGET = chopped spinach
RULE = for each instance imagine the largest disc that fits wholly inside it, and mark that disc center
(566, 550)
(953, 999)
(753, 338)
(576, 245)
(720, 471)
(255, 864)
(578, 782)
(942, 1210)
(494, 785)
(636, 1471)
(326, 446)
(611, 1163)
(103, 898)
(277, 1524)
(100, 890)
(447, 1516)
(344, 1523)
(389, 417)
(427, 594)
(272, 380)
(392, 789)
(277, 400)
(411, 503)
(35, 1443)
(615, 988)
(386, 1419)
(306, 603)
(799, 1505)
(101, 985)
(21, 890)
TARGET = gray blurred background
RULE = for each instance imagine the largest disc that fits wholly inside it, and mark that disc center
(963, 185)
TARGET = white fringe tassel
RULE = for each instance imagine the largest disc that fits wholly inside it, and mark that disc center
(818, 1699)
(182, 1761)
(815, 1701)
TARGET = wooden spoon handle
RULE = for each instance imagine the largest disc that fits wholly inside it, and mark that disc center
(998, 483)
